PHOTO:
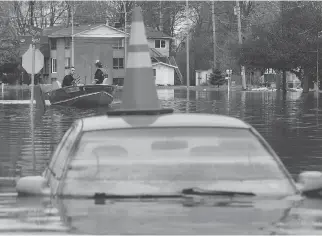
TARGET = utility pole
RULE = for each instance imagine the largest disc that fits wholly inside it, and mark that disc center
(317, 63)
(125, 39)
(319, 34)
(73, 49)
(187, 45)
(161, 17)
(240, 43)
(214, 33)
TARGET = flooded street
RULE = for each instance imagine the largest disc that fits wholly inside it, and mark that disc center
(291, 124)
(198, 171)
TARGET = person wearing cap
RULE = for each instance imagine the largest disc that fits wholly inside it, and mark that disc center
(99, 74)
(69, 79)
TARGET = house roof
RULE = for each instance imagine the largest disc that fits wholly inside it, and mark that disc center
(67, 31)
(205, 70)
(164, 64)
(63, 31)
(153, 33)
(102, 31)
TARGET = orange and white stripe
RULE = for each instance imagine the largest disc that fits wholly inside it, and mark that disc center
(139, 90)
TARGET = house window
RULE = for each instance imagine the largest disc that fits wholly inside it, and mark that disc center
(53, 65)
(119, 44)
(53, 44)
(118, 81)
(67, 43)
(154, 73)
(159, 43)
(118, 63)
(67, 62)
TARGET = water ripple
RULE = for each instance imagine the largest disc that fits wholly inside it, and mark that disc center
(291, 124)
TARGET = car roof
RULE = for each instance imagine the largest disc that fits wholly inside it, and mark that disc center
(169, 120)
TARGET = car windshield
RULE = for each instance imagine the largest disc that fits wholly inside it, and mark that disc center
(219, 157)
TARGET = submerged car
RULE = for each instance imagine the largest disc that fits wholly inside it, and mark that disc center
(170, 174)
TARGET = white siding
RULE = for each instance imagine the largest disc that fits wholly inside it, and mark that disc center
(164, 74)
(164, 51)
(204, 75)
(59, 54)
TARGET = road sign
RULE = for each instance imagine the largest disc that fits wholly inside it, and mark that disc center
(27, 60)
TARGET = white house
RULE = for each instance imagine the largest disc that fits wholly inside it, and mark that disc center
(165, 68)
(163, 73)
(202, 76)
(292, 80)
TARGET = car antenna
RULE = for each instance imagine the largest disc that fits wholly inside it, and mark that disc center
(139, 95)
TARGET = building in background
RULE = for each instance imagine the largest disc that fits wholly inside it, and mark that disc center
(202, 76)
(100, 42)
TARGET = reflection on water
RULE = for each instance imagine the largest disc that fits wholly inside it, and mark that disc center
(289, 122)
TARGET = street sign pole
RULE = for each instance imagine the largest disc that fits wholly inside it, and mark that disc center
(32, 106)
(33, 62)
(32, 74)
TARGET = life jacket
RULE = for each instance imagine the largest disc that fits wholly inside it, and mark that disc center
(105, 72)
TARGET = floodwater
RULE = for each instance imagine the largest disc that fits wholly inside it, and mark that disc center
(290, 123)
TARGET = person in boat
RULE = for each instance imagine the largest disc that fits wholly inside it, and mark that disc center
(69, 79)
(100, 73)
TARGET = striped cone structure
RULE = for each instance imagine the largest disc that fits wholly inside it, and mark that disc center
(139, 89)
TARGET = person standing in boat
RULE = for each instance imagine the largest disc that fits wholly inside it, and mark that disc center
(69, 79)
(100, 73)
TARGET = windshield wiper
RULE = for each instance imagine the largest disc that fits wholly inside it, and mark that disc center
(187, 191)
(202, 192)
(140, 196)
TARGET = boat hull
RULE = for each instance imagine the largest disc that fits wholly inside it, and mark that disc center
(82, 95)
(296, 90)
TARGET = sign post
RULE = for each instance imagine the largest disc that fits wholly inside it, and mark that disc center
(32, 107)
(229, 72)
(36, 58)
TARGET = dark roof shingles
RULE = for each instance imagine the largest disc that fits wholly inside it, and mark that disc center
(152, 33)
(65, 32)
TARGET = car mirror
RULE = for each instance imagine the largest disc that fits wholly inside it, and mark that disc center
(310, 183)
(32, 185)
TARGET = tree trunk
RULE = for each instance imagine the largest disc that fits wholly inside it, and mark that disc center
(31, 7)
(69, 15)
(284, 81)
(305, 82)
(278, 82)
(52, 15)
